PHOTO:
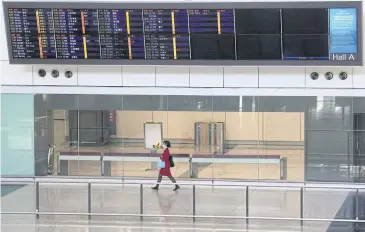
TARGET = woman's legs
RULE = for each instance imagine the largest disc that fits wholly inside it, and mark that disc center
(174, 181)
(159, 179)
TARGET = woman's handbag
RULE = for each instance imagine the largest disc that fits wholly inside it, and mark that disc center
(171, 161)
(161, 164)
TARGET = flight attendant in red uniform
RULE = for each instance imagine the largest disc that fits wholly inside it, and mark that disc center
(166, 170)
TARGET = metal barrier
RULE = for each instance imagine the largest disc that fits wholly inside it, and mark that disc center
(193, 160)
(247, 185)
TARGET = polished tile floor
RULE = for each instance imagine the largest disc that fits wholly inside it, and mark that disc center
(125, 199)
(69, 224)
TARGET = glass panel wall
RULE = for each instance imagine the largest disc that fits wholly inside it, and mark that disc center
(329, 138)
(17, 135)
(282, 136)
(357, 172)
(213, 137)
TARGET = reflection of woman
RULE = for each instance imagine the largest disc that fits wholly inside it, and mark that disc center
(166, 170)
(165, 205)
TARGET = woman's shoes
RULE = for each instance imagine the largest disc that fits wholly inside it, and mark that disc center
(177, 187)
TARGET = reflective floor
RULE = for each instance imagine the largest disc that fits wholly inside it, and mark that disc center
(278, 202)
(69, 224)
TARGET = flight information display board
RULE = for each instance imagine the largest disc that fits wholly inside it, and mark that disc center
(295, 33)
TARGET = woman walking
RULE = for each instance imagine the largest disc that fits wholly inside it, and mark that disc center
(165, 157)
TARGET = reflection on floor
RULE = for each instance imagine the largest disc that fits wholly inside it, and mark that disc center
(77, 224)
(348, 210)
(210, 201)
(7, 189)
(256, 168)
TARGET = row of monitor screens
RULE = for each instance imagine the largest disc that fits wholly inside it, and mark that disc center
(220, 34)
(224, 21)
(164, 47)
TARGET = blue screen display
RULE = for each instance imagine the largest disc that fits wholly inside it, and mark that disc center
(343, 34)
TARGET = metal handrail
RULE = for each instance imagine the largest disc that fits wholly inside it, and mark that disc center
(193, 215)
(188, 216)
(259, 183)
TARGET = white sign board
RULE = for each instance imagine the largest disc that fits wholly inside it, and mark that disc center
(152, 134)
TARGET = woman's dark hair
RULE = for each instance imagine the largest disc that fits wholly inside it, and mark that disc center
(167, 143)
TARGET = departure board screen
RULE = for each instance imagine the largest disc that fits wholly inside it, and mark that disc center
(165, 21)
(122, 47)
(120, 21)
(166, 47)
(240, 36)
(211, 21)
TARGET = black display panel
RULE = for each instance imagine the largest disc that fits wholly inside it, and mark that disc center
(258, 47)
(305, 21)
(258, 21)
(305, 47)
(298, 33)
(212, 47)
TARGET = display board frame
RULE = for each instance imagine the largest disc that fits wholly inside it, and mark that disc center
(189, 5)
(145, 128)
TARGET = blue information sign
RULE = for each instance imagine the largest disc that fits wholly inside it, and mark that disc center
(343, 34)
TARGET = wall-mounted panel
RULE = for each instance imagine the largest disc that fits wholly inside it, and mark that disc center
(100, 76)
(205, 34)
(15, 74)
(329, 77)
(3, 42)
(206, 76)
(363, 39)
(139, 75)
(175, 76)
(282, 77)
(55, 75)
(241, 77)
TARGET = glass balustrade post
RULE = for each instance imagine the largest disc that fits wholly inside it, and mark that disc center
(357, 205)
(194, 203)
(301, 207)
(141, 201)
(89, 200)
(37, 199)
(247, 206)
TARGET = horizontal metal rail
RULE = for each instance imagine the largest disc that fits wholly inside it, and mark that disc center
(186, 216)
(112, 181)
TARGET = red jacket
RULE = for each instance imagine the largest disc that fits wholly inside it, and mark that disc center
(165, 157)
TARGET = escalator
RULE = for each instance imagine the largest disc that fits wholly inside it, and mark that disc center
(351, 208)
(359, 147)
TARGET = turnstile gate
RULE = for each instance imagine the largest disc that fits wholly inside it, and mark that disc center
(209, 136)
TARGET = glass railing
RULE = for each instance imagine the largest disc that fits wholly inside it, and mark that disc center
(298, 203)
(132, 159)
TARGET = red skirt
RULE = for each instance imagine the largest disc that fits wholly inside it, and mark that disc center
(165, 171)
